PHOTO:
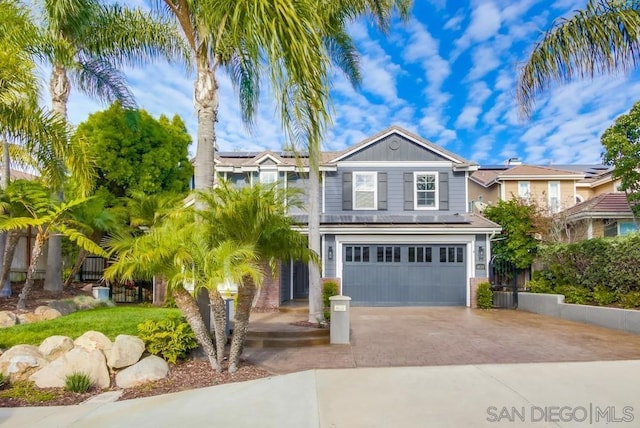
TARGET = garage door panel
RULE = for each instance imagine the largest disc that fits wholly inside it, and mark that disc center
(406, 281)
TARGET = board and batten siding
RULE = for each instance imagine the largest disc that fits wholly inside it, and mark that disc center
(395, 148)
(329, 265)
(395, 190)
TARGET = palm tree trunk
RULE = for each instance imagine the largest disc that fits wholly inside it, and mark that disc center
(219, 322)
(246, 291)
(60, 89)
(82, 256)
(31, 271)
(189, 308)
(206, 103)
(7, 260)
(316, 312)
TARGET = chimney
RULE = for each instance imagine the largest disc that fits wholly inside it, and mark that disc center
(513, 162)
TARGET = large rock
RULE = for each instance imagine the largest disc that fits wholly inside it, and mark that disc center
(7, 319)
(21, 361)
(92, 340)
(28, 318)
(126, 351)
(148, 369)
(86, 302)
(77, 360)
(65, 307)
(54, 346)
(46, 313)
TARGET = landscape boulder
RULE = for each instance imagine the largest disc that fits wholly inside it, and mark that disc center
(27, 318)
(45, 313)
(7, 319)
(148, 369)
(20, 361)
(92, 340)
(65, 307)
(126, 351)
(54, 346)
(77, 360)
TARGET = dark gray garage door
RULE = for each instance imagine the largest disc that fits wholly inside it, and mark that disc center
(404, 275)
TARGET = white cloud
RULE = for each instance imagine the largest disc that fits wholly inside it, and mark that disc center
(485, 23)
(469, 117)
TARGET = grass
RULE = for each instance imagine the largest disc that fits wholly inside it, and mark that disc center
(27, 391)
(111, 321)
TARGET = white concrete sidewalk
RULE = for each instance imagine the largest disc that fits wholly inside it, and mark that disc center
(540, 395)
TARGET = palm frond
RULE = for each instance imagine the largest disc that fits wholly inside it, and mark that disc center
(100, 79)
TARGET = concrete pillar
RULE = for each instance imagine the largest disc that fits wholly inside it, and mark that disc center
(340, 323)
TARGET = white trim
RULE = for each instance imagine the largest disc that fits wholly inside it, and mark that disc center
(246, 168)
(290, 279)
(558, 208)
(397, 164)
(590, 229)
(324, 254)
(267, 173)
(466, 192)
(528, 195)
(285, 182)
(389, 230)
(373, 174)
(324, 182)
(503, 191)
(424, 144)
(538, 177)
(268, 156)
(471, 269)
(436, 200)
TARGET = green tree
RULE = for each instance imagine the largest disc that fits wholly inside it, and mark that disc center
(180, 250)
(134, 152)
(87, 41)
(46, 215)
(621, 142)
(520, 222)
(603, 38)
(253, 216)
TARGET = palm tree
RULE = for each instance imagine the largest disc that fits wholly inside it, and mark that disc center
(603, 38)
(180, 250)
(47, 216)
(86, 41)
(253, 216)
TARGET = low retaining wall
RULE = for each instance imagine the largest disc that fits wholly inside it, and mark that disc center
(553, 305)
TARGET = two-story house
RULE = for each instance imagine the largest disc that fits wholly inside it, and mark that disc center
(395, 225)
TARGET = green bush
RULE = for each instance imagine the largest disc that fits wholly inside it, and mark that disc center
(4, 380)
(630, 300)
(574, 294)
(539, 286)
(484, 296)
(78, 382)
(25, 390)
(603, 296)
(329, 288)
(170, 338)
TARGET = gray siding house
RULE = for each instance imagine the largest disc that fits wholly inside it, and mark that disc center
(394, 224)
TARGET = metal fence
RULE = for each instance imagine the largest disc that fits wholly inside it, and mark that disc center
(503, 276)
(92, 270)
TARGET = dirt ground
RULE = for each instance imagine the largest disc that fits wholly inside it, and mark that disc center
(189, 374)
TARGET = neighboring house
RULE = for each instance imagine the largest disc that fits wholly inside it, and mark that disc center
(607, 214)
(551, 188)
(395, 223)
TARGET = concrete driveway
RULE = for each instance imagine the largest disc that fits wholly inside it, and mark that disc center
(395, 337)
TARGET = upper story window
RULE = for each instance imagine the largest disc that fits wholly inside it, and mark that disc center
(524, 190)
(365, 191)
(268, 177)
(426, 190)
(554, 196)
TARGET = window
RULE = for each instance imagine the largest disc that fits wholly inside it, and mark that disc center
(364, 190)
(268, 177)
(388, 254)
(356, 254)
(420, 254)
(426, 188)
(554, 196)
(451, 255)
(524, 190)
(626, 227)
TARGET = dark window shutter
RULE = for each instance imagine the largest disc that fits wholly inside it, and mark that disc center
(408, 191)
(443, 191)
(347, 191)
(382, 190)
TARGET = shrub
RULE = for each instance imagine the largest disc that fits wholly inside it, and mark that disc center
(484, 296)
(78, 382)
(329, 288)
(540, 286)
(25, 390)
(574, 294)
(603, 295)
(630, 300)
(170, 338)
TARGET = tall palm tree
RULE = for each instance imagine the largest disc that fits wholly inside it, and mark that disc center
(253, 216)
(180, 250)
(87, 41)
(47, 216)
(603, 38)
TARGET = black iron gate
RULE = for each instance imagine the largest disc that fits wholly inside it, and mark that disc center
(503, 276)
(92, 270)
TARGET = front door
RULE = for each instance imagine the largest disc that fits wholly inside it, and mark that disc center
(300, 280)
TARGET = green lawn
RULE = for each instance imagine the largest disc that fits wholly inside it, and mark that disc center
(110, 321)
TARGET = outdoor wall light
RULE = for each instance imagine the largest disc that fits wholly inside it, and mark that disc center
(481, 253)
(330, 253)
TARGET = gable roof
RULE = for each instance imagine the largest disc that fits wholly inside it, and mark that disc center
(605, 205)
(533, 172)
(395, 129)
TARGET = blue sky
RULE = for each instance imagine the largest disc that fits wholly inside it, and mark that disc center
(448, 74)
